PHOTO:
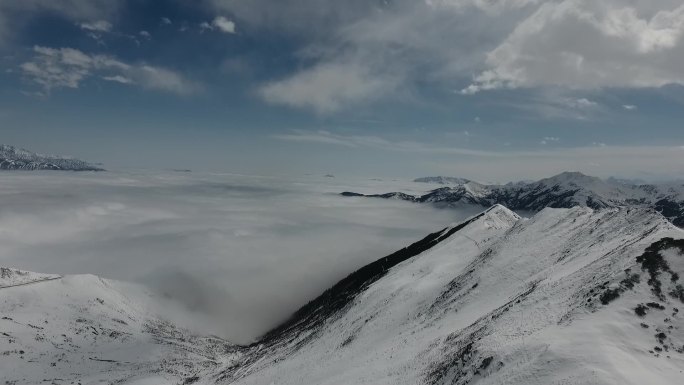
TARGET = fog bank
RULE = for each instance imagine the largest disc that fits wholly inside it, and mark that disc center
(245, 251)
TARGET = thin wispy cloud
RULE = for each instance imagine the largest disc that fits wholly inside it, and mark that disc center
(623, 160)
(362, 141)
(53, 68)
(97, 26)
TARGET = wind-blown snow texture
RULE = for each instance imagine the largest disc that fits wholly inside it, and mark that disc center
(571, 296)
(12, 158)
(565, 190)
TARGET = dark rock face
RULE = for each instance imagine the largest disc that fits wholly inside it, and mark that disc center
(12, 158)
(565, 190)
(672, 210)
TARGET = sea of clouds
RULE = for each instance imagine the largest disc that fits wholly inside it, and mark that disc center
(241, 251)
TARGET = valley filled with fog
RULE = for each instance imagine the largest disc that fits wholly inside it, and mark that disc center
(240, 252)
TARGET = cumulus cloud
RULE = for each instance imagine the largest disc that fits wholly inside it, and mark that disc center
(575, 44)
(358, 52)
(219, 23)
(584, 44)
(53, 68)
(328, 87)
(223, 24)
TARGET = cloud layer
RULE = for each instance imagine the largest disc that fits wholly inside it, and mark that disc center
(246, 251)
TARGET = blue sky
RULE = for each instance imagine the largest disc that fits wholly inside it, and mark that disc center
(491, 90)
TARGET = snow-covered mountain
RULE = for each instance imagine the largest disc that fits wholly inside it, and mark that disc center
(565, 190)
(571, 296)
(82, 329)
(12, 158)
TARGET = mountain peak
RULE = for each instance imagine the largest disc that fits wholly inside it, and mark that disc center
(573, 177)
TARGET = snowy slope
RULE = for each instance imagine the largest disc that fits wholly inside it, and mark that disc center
(565, 190)
(12, 158)
(501, 300)
(570, 296)
(87, 330)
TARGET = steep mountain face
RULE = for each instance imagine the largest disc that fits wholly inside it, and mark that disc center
(12, 158)
(565, 190)
(571, 296)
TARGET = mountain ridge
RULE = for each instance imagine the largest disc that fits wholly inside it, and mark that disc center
(564, 190)
(13, 158)
(488, 266)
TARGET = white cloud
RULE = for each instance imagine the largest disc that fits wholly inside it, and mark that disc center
(585, 44)
(145, 34)
(97, 26)
(629, 107)
(223, 24)
(118, 79)
(550, 139)
(219, 23)
(54, 68)
(358, 52)
(165, 21)
(582, 103)
(157, 78)
(328, 87)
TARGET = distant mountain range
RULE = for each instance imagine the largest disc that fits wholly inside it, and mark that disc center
(565, 190)
(13, 158)
(447, 180)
